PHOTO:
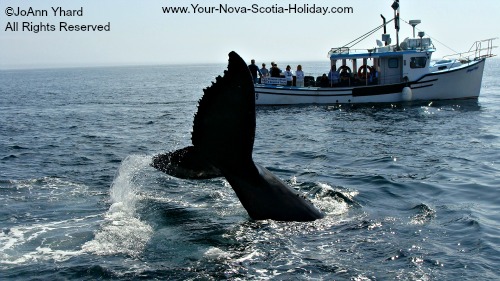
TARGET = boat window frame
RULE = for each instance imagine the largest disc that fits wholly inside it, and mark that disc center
(393, 63)
(418, 62)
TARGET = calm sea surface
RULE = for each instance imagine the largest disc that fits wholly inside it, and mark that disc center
(411, 192)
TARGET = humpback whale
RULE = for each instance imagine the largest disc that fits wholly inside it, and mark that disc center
(222, 144)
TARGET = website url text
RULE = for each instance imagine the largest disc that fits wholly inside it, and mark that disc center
(257, 9)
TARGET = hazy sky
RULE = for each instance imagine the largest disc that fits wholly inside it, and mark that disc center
(142, 34)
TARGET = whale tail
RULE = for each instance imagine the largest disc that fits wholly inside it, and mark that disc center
(185, 163)
(223, 137)
(223, 128)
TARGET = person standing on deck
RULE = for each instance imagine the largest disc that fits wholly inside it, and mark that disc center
(289, 76)
(275, 71)
(264, 71)
(254, 70)
(299, 74)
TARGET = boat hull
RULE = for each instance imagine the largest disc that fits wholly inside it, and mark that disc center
(462, 82)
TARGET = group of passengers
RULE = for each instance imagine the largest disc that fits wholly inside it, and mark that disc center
(336, 77)
(275, 71)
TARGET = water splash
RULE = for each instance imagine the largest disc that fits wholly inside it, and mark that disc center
(122, 231)
(334, 201)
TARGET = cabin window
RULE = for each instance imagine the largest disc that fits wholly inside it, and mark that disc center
(418, 62)
(393, 63)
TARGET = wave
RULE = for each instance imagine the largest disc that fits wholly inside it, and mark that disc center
(34, 232)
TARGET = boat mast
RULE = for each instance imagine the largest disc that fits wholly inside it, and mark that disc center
(395, 7)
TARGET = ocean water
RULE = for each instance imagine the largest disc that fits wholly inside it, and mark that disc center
(411, 192)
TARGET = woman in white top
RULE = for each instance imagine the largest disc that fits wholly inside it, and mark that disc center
(289, 76)
(299, 74)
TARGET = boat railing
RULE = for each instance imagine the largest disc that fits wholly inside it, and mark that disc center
(479, 50)
(339, 51)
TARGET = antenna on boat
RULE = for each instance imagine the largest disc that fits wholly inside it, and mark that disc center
(414, 23)
(386, 40)
(395, 7)
(383, 19)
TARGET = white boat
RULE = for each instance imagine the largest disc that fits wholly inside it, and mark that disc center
(388, 73)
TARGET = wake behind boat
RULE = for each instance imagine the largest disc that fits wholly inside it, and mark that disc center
(387, 73)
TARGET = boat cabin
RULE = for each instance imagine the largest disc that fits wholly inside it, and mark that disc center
(383, 65)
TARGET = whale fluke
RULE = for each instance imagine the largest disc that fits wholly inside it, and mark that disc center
(185, 163)
(223, 137)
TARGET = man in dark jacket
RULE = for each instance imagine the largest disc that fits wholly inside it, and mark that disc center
(254, 70)
(275, 71)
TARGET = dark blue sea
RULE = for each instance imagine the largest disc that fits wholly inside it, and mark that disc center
(411, 191)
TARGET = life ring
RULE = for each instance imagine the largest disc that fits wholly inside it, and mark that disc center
(364, 70)
(344, 72)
